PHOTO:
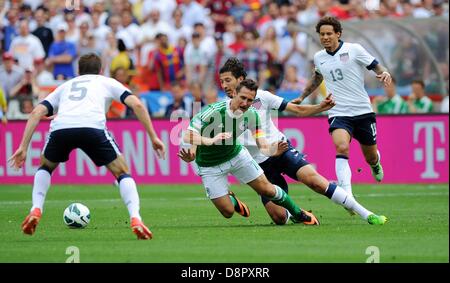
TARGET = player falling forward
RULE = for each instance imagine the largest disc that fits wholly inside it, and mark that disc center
(341, 65)
(291, 162)
(215, 131)
(81, 123)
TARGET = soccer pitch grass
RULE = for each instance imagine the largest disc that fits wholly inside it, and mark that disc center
(188, 228)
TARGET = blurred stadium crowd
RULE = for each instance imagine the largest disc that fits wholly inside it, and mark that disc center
(179, 45)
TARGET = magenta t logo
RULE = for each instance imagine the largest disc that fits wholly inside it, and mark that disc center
(431, 153)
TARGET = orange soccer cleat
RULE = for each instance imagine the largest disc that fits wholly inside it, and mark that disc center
(141, 231)
(241, 207)
(31, 221)
(312, 219)
(306, 217)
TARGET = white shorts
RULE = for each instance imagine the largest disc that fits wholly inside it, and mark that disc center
(215, 178)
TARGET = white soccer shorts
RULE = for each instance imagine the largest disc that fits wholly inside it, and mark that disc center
(215, 178)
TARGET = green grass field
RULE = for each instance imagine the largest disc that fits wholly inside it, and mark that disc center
(187, 227)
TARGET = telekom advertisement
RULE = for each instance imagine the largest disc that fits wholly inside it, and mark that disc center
(414, 149)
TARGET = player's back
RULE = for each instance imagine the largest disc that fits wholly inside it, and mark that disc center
(84, 101)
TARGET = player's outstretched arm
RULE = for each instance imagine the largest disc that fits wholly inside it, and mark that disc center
(143, 116)
(309, 110)
(195, 138)
(311, 86)
(18, 158)
(383, 75)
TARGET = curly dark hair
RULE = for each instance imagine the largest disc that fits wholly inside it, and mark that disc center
(235, 67)
(248, 84)
(329, 21)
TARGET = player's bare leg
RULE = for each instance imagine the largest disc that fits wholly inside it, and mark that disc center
(41, 185)
(273, 192)
(311, 178)
(224, 205)
(279, 214)
(341, 140)
(229, 204)
(372, 156)
(129, 194)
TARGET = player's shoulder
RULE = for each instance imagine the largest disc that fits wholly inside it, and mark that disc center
(263, 94)
(101, 79)
(218, 105)
(353, 46)
(320, 53)
(96, 78)
(210, 109)
(64, 85)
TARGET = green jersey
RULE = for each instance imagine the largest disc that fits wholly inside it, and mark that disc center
(218, 118)
(423, 105)
(394, 105)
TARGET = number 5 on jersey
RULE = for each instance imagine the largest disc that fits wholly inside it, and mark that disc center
(78, 91)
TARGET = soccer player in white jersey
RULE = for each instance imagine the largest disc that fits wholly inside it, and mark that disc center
(80, 122)
(342, 65)
(291, 162)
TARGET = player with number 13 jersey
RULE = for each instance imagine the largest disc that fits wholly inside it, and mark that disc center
(342, 66)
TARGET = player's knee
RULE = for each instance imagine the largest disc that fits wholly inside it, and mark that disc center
(227, 212)
(342, 148)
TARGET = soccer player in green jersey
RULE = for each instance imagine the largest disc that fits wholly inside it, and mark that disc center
(215, 131)
(418, 101)
(291, 162)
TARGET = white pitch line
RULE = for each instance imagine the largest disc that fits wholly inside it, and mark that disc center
(370, 195)
(406, 194)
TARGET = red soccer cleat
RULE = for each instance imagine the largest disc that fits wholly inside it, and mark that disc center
(141, 231)
(31, 221)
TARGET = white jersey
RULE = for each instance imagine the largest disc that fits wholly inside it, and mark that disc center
(264, 103)
(82, 102)
(343, 72)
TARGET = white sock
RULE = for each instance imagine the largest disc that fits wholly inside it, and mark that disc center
(343, 173)
(130, 197)
(340, 196)
(288, 216)
(41, 185)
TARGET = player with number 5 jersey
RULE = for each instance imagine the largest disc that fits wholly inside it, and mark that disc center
(80, 105)
(342, 66)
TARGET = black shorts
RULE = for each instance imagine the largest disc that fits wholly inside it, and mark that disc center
(363, 127)
(97, 144)
(288, 163)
